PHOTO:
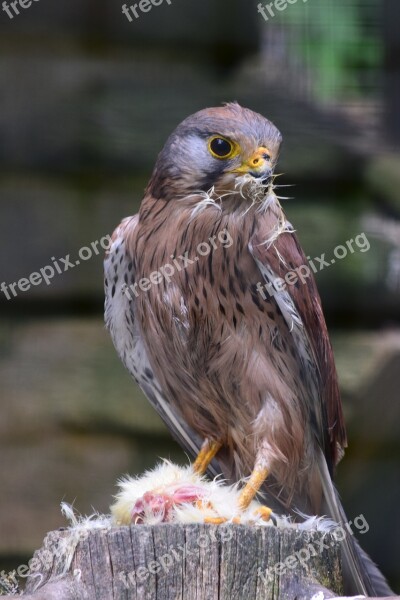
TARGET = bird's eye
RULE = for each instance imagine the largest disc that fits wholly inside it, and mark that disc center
(221, 147)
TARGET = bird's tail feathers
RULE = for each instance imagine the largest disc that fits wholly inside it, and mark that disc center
(379, 584)
(361, 575)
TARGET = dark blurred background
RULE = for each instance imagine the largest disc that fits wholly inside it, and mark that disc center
(87, 100)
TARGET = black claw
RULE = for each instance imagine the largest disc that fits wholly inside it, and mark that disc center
(274, 519)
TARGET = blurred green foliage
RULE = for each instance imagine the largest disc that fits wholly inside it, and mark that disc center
(339, 43)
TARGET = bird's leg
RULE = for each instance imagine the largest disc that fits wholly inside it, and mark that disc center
(207, 452)
(253, 485)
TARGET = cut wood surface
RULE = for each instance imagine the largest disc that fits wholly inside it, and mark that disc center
(185, 562)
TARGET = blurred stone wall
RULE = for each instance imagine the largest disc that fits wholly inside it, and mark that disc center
(87, 100)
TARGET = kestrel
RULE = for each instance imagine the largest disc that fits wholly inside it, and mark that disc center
(206, 313)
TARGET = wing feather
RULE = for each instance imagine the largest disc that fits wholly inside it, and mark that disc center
(126, 335)
(300, 304)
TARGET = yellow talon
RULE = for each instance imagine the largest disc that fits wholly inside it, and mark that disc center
(203, 504)
(215, 520)
(207, 452)
(264, 512)
(236, 520)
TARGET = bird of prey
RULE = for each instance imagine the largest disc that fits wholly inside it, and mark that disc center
(231, 350)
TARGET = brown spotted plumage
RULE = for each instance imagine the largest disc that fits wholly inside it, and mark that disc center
(219, 357)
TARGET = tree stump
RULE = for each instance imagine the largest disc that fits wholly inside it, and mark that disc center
(184, 562)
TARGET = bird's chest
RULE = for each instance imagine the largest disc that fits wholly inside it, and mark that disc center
(201, 277)
(198, 303)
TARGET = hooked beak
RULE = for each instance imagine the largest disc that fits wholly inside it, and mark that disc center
(258, 165)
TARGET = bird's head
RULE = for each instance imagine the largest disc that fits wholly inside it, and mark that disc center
(216, 148)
